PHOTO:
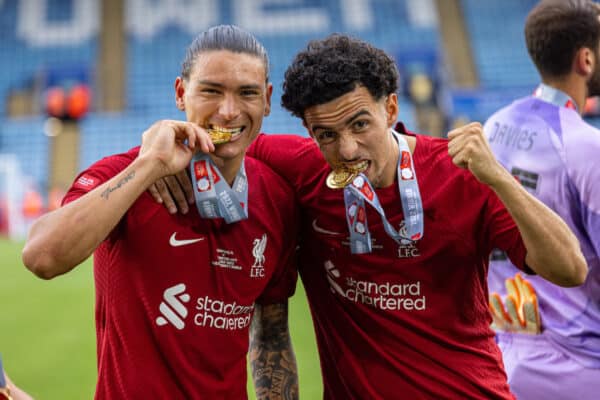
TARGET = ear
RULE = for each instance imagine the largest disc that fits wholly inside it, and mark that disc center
(392, 109)
(584, 62)
(179, 93)
(268, 93)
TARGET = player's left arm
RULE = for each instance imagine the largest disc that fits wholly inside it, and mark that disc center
(553, 251)
(272, 357)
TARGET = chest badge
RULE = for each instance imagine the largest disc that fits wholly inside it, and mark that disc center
(258, 251)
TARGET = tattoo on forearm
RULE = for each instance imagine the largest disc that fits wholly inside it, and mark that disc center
(274, 369)
(123, 181)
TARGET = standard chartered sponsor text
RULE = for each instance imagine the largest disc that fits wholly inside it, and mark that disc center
(387, 295)
(222, 315)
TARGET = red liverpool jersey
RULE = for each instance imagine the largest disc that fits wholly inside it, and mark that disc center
(175, 293)
(408, 320)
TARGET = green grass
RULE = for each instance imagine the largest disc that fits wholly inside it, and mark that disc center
(47, 336)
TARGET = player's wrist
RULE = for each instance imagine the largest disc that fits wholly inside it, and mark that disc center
(149, 168)
(501, 181)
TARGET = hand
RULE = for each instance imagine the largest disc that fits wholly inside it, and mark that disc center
(521, 313)
(172, 143)
(175, 191)
(469, 149)
(16, 393)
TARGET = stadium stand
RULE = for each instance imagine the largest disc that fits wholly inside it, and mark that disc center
(60, 34)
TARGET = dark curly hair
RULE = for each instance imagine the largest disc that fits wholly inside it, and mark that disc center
(556, 29)
(334, 66)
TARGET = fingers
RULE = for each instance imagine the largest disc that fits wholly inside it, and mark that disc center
(463, 143)
(469, 129)
(204, 140)
(501, 318)
(512, 308)
(177, 195)
(175, 191)
(520, 310)
(196, 136)
(186, 185)
(513, 289)
(165, 195)
(531, 316)
(155, 194)
(530, 307)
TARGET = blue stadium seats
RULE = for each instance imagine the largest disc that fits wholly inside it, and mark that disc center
(496, 32)
(153, 61)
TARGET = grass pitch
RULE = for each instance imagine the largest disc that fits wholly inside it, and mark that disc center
(47, 336)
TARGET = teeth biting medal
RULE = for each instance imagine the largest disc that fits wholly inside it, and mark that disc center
(339, 178)
(220, 135)
(342, 176)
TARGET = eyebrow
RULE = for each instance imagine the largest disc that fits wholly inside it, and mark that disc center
(220, 85)
(347, 122)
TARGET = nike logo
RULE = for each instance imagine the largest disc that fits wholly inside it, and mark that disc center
(176, 243)
(318, 229)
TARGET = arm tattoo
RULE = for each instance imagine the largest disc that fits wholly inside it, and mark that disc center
(272, 358)
(123, 181)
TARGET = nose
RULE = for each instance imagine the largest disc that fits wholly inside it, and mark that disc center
(229, 108)
(347, 148)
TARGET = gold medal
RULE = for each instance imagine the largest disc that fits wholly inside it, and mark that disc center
(219, 136)
(339, 178)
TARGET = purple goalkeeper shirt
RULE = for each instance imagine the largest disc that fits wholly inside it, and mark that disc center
(556, 156)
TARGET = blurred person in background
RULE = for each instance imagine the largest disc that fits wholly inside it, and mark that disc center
(550, 335)
(394, 270)
(8, 390)
(176, 294)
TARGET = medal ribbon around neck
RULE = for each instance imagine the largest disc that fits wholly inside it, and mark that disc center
(214, 197)
(554, 96)
(361, 190)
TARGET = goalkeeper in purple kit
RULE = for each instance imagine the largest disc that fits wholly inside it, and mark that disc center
(550, 335)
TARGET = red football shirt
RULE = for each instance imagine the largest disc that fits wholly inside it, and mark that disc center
(411, 320)
(175, 293)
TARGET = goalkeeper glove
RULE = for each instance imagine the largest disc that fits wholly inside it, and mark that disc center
(521, 313)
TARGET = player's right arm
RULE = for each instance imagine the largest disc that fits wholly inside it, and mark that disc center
(62, 239)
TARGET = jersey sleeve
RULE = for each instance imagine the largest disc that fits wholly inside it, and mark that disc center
(283, 281)
(502, 232)
(98, 173)
(285, 154)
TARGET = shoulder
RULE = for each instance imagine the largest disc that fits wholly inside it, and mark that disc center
(291, 146)
(100, 172)
(582, 147)
(270, 197)
(265, 182)
(115, 162)
(294, 157)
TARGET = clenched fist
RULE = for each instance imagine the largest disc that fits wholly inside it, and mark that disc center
(469, 149)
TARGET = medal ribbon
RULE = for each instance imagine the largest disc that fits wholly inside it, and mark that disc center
(214, 197)
(360, 190)
(554, 96)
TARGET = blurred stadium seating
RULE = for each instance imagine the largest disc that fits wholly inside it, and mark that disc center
(42, 39)
(50, 42)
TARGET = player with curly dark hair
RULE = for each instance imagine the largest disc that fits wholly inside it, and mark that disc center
(394, 270)
(333, 67)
